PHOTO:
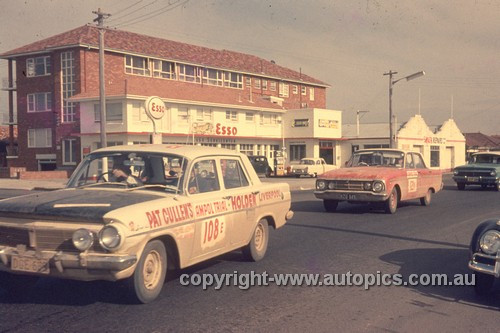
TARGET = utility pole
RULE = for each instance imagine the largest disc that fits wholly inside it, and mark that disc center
(102, 93)
(391, 133)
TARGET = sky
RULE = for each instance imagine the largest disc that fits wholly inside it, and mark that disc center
(348, 44)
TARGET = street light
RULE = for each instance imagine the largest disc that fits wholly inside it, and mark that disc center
(391, 83)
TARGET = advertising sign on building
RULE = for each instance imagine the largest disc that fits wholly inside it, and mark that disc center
(155, 107)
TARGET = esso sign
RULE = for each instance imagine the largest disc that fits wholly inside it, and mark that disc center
(155, 107)
(225, 130)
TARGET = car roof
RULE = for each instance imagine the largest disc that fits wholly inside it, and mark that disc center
(188, 151)
(496, 153)
(384, 149)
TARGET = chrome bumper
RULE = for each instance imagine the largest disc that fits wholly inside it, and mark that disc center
(479, 180)
(361, 196)
(62, 261)
(478, 264)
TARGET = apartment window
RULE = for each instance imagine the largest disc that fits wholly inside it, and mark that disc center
(183, 115)
(435, 156)
(246, 149)
(268, 119)
(250, 116)
(139, 112)
(272, 86)
(295, 89)
(248, 81)
(303, 90)
(311, 94)
(204, 115)
(69, 151)
(114, 113)
(264, 84)
(212, 77)
(189, 73)
(163, 69)
(232, 115)
(283, 90)
(39, 138)
(68, 85)
(136, 65)
(38, 66)
(39, 102)
(233, 80)
(257, 83)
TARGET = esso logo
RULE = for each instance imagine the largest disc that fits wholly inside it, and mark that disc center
(155, 107)
(225, 130)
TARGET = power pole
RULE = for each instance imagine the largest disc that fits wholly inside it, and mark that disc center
(102, 94)
(391, 133)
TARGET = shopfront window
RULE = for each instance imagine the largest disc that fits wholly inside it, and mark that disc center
(297, 152)
(327, 151)
(435, 156)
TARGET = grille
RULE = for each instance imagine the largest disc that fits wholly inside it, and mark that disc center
(45, 239)
(347, 185)
(470, 173)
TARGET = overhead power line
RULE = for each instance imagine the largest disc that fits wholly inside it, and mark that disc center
(154, 14)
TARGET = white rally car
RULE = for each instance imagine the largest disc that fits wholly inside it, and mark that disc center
(131, 212)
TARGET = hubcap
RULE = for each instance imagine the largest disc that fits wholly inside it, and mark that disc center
(259, 237)
(152, 270)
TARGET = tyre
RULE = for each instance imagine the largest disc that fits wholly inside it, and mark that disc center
(426, 201)
(330, 205)
(391, 204)
(147, 281)
(461, 186)
(497, 187)
(484, 283)
(256, 249)
(17, 285)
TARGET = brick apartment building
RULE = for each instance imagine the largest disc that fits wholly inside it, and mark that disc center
(57, 96)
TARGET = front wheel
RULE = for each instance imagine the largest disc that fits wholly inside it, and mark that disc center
(461, 186)
(484, 283)
(256, 249)
(497, 187)
(147, 281)
(426, 201)
(391, 204)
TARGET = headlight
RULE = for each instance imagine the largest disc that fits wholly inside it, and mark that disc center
(490, 242)
(321, 185)
(331, 185)
(83, 239)
(378, 186)
(493, 173)
(367, 186)
(455, 172)
(110, 237)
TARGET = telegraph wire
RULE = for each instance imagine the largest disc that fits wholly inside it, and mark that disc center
(124, 9)
(134, 12)
(160, 11)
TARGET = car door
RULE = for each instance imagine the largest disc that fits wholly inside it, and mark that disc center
(424, 174)
(212, 215)
(411, 179)
(241, 198)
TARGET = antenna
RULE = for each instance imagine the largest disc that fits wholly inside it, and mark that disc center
(451, 106)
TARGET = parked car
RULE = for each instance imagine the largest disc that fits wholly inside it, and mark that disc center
(261, 165)
(483, 169)
(385, 176)
(311, 167)
(103, 227)
(485, 255)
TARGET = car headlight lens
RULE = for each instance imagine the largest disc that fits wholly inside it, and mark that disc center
(367, 186)
(83, 239)
(110, 237)
(493, 173)
(378, 186)
(455, 172)
(331, 185)
(320, 185)
(490, 242)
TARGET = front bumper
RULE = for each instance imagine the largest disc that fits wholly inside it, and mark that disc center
(357, 196)
(486, 264)
(78, 266)
(479, 180)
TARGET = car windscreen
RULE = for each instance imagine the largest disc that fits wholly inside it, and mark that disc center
(377, 158)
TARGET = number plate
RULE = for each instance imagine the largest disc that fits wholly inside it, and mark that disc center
(33, 265)
(473, 179)
(346, 196)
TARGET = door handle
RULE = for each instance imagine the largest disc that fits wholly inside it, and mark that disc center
(227, 197)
